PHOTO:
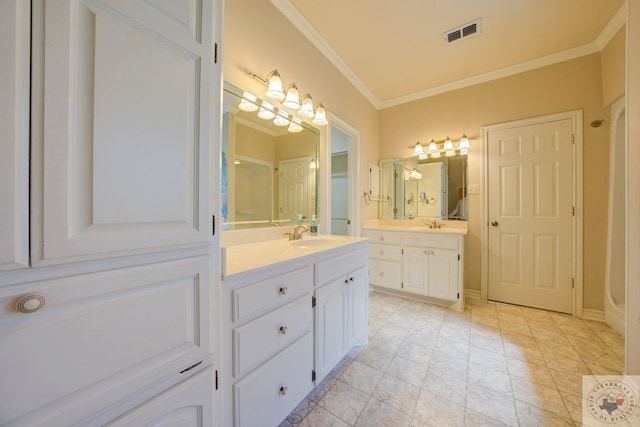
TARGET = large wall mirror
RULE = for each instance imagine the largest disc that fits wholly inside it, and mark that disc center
(269, 173)
(430, 188)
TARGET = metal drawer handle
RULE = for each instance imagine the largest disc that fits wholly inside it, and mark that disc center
(283, 330)
(31, 303)
(283, 290)
(283, 390)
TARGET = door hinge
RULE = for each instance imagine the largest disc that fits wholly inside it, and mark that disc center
(458, 295)
(458, 257)
(573, 211)
(313, 375)
(213, 225)
(401, 251)
(402, 285)
(348, 222)
(573, 139)
(573, 283)
(216, 379)
(313, 302)
(215, 53)
(190, 367)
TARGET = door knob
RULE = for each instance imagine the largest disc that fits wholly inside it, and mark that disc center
(494, 223)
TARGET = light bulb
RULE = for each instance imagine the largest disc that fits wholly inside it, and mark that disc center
(306, 110)
(321, 116)
(433, 147)
(418, 149)
(292, 100)
(274, 89)
(464, 143)
(448, 144)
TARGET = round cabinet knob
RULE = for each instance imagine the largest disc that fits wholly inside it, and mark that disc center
(283, 390)
(494, 223)
(382, 274)
(351, 279)
(31, 303)
(283, 290)
(346, 281)
(283, 330)
(382, 238)
(381, 252)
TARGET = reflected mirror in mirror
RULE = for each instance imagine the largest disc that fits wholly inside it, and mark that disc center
(430, 188)
(269, 172)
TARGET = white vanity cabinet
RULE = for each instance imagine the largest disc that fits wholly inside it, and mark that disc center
(268, 340)
(341, 309)
(423, 262)
(431, 265)
(385, 258)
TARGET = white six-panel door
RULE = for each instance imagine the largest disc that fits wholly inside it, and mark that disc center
(122, 152)
(530, 215)
(294, 188)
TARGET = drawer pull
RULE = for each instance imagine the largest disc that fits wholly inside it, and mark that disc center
(283, 330)
(382, 238)
(382, 274)
(283, 290)
(283, 390)
(381, 252)
(351, 279)
(346, 281)
(31, 303)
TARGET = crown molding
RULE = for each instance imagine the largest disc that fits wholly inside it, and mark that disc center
(302, 24)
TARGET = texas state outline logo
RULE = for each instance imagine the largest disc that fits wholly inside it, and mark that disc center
(610, 401)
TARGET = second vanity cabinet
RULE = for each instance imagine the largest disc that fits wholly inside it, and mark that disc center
(420, 262)
(286, 325)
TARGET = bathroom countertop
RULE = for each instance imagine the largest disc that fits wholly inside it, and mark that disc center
(451, 227)
(249, 257)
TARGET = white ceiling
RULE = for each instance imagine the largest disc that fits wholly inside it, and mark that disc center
(393, 51)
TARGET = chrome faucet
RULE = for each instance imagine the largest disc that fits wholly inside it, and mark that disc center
(297, 232)
(434, 224)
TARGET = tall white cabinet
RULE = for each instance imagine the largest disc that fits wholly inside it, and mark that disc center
(108, 262)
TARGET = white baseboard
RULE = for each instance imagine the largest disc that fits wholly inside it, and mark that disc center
(595, 315)
(472, 293)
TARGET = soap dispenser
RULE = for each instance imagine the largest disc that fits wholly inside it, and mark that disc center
(313, 226)
(300, 220)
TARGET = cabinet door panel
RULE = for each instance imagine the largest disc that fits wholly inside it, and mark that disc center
(416, 270)
(358, 307)
(100, 337)
(15, 32)
(331, 326)
(443, 280)
(124, 138)
(188, 404)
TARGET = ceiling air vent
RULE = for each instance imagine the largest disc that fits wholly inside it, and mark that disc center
(463, 31)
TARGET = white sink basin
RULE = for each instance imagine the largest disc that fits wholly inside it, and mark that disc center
(312, 242)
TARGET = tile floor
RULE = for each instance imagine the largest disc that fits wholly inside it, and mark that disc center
(493, 364)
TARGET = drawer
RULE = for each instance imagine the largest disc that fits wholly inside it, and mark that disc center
(100, 337)
(389, 238)
(384, 252)
(267, 395)
(260, 297)
(340, 266)
(261, 338)
(441, 242)
(385, 273)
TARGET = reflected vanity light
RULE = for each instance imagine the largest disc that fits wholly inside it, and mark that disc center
(290, 98)
(249, 102)
(295, 125)
(280, 118)
(266, 111)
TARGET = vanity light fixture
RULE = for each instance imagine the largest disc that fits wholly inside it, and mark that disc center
(292, 100)
(436, 149)
(418, 150)
(321, 116)
(248, 103)
(280, 118)
(266, 111)
(295, 125)
(306, 109)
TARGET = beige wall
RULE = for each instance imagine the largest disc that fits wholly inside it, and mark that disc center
(613, 68)
(254, 143)
(566, 86)
(258, 39)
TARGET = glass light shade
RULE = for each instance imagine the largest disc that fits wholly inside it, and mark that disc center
(435, 155)
(251, 97)
(280, 121)
(292, 99)
(306, 109)
(247, 106)
(416, 174)
(321, 116)
(274, 86)
(464, 151)
(464, 143)
(448, 145)
(418, 149)
(450, 153)
(423, 156)
(265, 114)
(433, 147)
(294, 127)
